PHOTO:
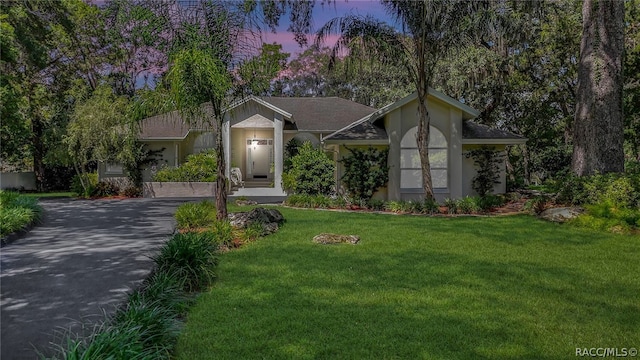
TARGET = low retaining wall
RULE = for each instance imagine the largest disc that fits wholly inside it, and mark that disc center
(18, 180)
(178, 189)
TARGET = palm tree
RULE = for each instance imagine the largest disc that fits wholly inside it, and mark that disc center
(208, 38)
(429, 30)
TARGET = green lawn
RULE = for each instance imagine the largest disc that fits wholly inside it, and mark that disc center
(419, 288)
(41, 195)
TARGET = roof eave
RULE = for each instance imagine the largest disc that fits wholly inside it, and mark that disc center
(357, 142)
(494, 141)
(266, 104)
(162, 138)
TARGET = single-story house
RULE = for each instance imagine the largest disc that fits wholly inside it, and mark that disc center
(256, 130)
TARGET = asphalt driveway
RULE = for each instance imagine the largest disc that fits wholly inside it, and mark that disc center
(79, 263)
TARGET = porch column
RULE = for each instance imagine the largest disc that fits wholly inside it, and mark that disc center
(278, 151)
(226, 145)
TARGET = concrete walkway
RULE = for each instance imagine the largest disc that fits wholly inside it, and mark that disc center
(81, 261)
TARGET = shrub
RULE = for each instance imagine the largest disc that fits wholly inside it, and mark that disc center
(619, 189)
(132, 192)
(195, 215)
(489, 202)
(17, 211)
(105, 189)
(314, 201)
(90, 181)
(430, 206)
(609, 217)
(191, 258)
(376, 204)
(468, 205)
(452, 205)
(7, 198)
(487, 161)
(251, 233)
(396, 206)
(200, 167)
(538, 204)
(600, 224)
(365, 171)
(311, 172)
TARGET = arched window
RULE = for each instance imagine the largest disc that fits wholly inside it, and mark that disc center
(410, 169)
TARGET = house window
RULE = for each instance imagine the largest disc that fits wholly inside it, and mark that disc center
(114, 169)
(204, 142)
(410, 169)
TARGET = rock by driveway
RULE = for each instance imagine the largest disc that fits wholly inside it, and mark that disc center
(82, 260)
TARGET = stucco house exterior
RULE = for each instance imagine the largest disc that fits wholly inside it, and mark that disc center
(256, 130)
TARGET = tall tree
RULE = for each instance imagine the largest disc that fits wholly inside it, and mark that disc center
(526, 84)
(351, 78)
(45, 40)
(632, 80)
(257, 73)
(30, 71)
(100, 131)
(430, 29)
(598, 132)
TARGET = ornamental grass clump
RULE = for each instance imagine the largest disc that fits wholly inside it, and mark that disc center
(17, 211)
(221, 232)
(191, 257)
(191, 216)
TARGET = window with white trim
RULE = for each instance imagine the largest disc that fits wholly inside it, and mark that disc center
(410, 169)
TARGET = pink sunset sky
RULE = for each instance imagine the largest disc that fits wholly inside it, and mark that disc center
(322, 14)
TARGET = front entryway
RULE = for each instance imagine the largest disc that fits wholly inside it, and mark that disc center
(259, 158)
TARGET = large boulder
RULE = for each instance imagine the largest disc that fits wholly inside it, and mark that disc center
(269, 219)
(561, 214)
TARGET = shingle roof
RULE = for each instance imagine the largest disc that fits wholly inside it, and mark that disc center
(168, 126)
(308, 114)
(362, 131)
(320, 113)
(473, 130)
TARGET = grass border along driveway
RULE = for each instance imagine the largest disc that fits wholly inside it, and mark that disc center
(420, 287)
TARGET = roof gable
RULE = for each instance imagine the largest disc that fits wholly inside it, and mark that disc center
(467, 111)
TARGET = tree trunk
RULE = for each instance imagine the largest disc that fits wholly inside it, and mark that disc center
(221, 182)
(598, 132)
(37, 143)
(423, 144)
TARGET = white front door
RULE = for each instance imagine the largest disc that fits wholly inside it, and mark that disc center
(259, 158)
